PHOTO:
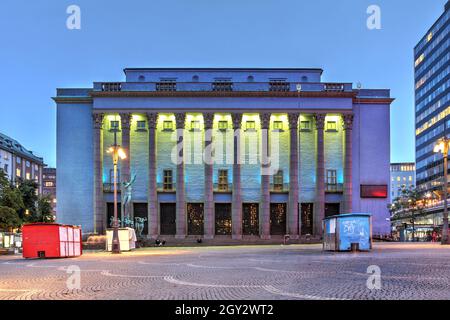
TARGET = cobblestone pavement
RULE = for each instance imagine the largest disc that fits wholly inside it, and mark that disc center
(408, 271)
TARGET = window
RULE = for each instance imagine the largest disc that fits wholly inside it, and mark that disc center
(223, 180)
(410, 178)
(28, 164)
(195, 78)
(223, 125)
(168, 180)
(195, 125)
(48, 184)
(278, 125)
(168, 125)
(141, 125)
(18, 172)
(278, 181)
(6, 168)
(371, 191)
(305, 125)
(114, 125)
(250, 125)
(222, 85)
(27, 176)
(19, 160)
(250, 79)
(331, 126)
(398, 179)
(141, 78)
(278, 85)
(331, 177)
(111, 176)
(167, 85)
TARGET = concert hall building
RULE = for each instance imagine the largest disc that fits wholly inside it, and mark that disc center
(327, 146)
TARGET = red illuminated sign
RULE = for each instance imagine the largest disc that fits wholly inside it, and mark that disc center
(370, 191)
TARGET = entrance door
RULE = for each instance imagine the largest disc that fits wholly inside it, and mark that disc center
(250, 221)
(223, 218)
(331, 209)
(168, 218)
(278, 218)
(110, 213)
(195, 219)
(141, 211)
(306, 213)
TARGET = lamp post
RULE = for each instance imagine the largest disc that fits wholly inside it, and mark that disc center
(117, 153)
(442, 146)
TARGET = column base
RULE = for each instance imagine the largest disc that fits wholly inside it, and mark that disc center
(180, 236)
(236, 237)
(265, 237)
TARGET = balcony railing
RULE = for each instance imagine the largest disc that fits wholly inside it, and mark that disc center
(160, 187)
(220, 87)
(108, 187)
(279, 187)
(334, 188)
(223, 187)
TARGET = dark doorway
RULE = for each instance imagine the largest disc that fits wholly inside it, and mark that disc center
(306, 213)
(195, 218)
(168, 218)
(223, 218)
(110, 213)
(141, 211)
(278, 218)
(331, 209)
(250, 221)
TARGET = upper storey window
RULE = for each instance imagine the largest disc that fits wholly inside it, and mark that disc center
(168, 125)
(114, 125)
(167, 85)
(332, 126)
(278, 85)
(222, 85)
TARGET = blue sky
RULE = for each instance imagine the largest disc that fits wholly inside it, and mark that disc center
(38, 53)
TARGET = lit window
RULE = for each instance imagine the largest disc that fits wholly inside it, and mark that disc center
(168, 180)
(27, 176)
(141, 125)
(223, 180)
(278, 125)
(250, 125)
(410, 178)
(331, 177)
(223, 125)
(430, 36)
(278, 181)
(331, 126)
(398, 179)
(18, 172)
(114, 125)
(168, 125)
(419, 60)
(195, 125)
(48, 184)
(305, 125)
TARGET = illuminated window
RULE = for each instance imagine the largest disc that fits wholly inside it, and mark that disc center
(27, 176)
(168, 125)
(223, 125)
(141, 125)
(305, 125)
(430, 36)
(168, 180)
(331, 177)
(278, 125)
(18, 172)
(223, 180)
(195, 125)
(331, 126)
(250, 125)
(419, 60)
(278, 181)
(398, 179)
(410, 178)
(49, 184)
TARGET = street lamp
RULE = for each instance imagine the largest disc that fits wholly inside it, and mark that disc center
(442, 147)
(117, 153)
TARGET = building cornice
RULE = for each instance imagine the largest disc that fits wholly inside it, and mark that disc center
(69, 100)
(357, 100)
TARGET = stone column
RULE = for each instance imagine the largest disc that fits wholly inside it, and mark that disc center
(180, 198)
(265, 176)
(347, 120)
(208, 119)
(153, 220)
(320, 184)
(125, 119)
(236, 217)
(100, 223)
(293, 222)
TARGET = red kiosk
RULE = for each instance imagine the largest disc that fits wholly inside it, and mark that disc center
(51, 240)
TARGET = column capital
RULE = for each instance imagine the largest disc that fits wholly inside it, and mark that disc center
(265, 120)
(236, 118)
(347, 121)
(208, 119)
(180, 119)
(320, 120)
(98, 120)
(293, 120)
(125, 119)
(152, 118)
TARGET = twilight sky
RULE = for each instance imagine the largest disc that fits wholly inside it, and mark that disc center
(38, 53)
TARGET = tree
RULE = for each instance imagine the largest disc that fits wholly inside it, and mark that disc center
(28, 190)
(9, 219)
(44, 211)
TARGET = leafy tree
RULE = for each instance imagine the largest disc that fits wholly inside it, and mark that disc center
(9, 219)
(28, 190)
(44, 212)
